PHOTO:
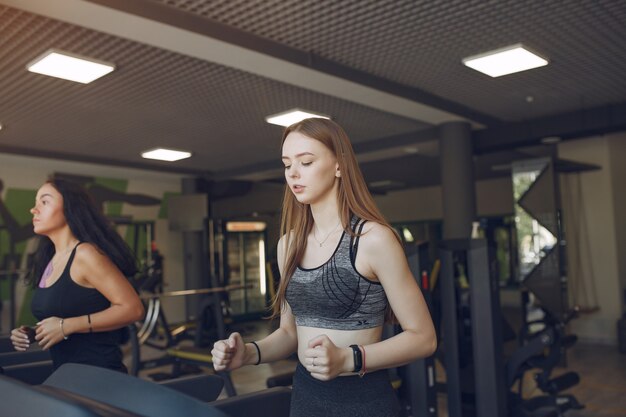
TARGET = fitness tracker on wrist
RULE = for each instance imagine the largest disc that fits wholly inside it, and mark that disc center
(358, 358)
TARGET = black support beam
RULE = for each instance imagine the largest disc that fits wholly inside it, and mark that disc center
(576, 124)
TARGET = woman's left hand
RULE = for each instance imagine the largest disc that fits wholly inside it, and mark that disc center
(49, 332)
(324, 360)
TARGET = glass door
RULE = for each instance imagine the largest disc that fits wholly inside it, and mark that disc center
(245, 254)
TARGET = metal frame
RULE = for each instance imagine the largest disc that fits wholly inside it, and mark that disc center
(486, 330)
(420, 374)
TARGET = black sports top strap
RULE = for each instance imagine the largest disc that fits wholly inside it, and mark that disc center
(358, 226)
(71, 258)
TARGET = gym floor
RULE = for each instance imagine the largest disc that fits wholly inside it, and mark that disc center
(602, 370)
(602, 387)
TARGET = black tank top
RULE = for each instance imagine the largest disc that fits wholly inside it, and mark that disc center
(64, 299)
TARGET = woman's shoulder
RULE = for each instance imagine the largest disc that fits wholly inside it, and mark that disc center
(89, 264)
(377, 230)
(375, 234)
(287, 237)
(86, 251)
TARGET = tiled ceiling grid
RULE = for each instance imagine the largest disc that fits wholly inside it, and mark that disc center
(154, 98)
(421, 44)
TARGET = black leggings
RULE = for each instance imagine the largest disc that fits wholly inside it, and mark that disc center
(344, 396)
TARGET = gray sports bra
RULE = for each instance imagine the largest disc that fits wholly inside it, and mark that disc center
(334, 295)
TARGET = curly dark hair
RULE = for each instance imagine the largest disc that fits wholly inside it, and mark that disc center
(88, 224)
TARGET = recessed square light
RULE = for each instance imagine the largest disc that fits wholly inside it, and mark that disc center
(163, 154)
(505, 61)
(290, 117)
(70, 66)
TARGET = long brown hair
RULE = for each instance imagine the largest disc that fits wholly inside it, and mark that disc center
(353, 196)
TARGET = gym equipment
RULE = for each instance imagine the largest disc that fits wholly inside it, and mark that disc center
(17, 358)
(478, 304)
(179, 355)
(552, 354)
(149, 283)
(126, 392)
(273, 402)
(199, 357)
(33, 373)
(26, 401)
(31, 367)
(471, 314)
(417, 390)
(518, 364)
(146, 398)
(205, 388)
(155, 317)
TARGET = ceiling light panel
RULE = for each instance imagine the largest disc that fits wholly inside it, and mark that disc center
(69, 66)
(290, 117)
(505, 61)
(163, 154)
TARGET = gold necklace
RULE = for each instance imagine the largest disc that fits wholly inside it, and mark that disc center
(327, 236)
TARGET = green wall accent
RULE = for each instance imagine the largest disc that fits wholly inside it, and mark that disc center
(18, 202)
(112, 208)
(164, 203)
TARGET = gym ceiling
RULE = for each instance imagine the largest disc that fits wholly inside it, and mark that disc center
(202, 76)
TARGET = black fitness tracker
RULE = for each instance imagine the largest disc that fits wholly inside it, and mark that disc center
(358, 358)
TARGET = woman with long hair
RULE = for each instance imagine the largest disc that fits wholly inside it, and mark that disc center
(343, 274)
(82, 297)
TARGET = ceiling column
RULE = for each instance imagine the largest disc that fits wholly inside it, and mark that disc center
(194, 254)
(457, 179)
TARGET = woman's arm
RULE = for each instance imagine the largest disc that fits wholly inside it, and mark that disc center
(280, 344)
(93, 269)
(283, 341)
(233, 353)
(380, 255)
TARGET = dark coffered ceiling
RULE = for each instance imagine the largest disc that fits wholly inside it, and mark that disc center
(201, 75)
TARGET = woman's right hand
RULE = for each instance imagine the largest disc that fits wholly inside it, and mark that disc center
(228, 354)
(19, 338)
